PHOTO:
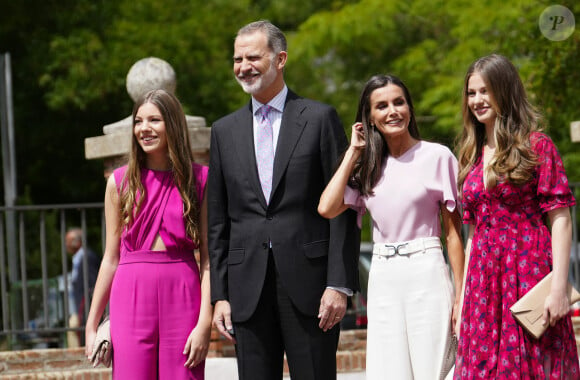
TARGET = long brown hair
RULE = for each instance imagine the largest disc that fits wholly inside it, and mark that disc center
(367, 171)
(514, 159)
(180, 160)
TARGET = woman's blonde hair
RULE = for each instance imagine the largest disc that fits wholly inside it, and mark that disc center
(180, 159)
(514, 159)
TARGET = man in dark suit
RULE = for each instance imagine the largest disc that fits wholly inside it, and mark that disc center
(280, 273)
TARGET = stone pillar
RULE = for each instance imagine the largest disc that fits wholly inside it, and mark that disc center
(575, 131)
(115, 143)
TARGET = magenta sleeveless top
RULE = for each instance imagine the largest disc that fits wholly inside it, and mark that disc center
(161, 211)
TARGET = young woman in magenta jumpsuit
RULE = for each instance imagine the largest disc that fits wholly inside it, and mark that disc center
(155, 212)
(512, 178)
(409, 187)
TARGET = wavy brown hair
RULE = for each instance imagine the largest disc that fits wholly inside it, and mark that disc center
(180, 159)
(514, 159)
(367, 170)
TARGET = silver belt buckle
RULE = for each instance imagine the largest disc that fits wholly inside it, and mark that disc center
(396, 249)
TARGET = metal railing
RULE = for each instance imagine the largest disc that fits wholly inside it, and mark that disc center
(34, 269)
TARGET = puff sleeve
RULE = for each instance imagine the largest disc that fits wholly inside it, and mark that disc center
(553, 190)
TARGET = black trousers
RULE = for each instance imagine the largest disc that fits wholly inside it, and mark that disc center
(277, 327)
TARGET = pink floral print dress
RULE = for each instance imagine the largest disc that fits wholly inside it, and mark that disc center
(510, 252)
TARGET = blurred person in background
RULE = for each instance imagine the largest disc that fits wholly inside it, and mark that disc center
(74, 247)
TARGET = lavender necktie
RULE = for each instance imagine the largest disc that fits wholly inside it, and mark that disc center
(265, 150)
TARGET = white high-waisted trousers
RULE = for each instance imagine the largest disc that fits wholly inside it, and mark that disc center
(410, 300)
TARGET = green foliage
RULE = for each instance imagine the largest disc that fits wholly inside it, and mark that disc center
(191, 36)
(430, 44)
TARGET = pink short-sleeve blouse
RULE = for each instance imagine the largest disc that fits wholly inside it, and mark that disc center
(407, 199)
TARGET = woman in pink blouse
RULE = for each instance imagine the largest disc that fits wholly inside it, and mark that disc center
(409, 187)
(155, 212)
(512, 179)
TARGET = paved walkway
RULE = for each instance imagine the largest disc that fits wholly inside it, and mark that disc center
(226, 369)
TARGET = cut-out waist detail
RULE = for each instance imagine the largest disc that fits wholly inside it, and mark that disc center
(149, 256)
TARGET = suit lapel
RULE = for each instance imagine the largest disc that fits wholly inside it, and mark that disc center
(290, 131)
(243, 137)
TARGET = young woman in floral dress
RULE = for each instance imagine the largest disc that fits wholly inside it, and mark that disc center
(513, 181)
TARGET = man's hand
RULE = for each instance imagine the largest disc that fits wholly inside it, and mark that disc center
(222, 320)
(332, 308)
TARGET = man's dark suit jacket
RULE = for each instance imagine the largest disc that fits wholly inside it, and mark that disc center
(310, 252)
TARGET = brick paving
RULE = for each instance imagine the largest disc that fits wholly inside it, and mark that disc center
(70, 363)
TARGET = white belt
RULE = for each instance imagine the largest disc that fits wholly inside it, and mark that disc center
(406, 247)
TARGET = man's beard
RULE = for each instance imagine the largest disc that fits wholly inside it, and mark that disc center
(260, 83)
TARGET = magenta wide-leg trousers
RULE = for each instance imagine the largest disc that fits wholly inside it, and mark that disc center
(154, 305)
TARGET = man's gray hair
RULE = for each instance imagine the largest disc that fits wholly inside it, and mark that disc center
(276, 39)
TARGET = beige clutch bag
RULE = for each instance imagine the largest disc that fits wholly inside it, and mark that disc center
(528, 310)
(102, 347)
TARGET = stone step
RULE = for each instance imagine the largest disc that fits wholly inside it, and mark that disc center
(84, 374)
(64, 364)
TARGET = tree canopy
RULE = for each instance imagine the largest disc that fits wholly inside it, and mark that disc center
(70, 59)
